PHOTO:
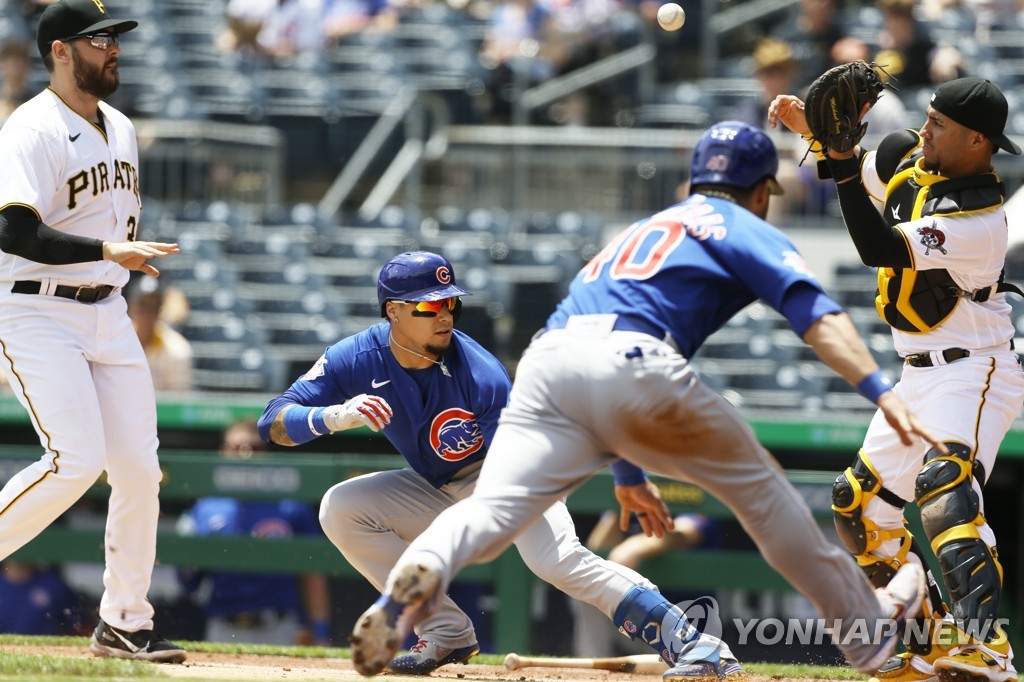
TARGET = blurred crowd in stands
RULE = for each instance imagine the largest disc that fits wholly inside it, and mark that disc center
(500, 47)
(323, 70)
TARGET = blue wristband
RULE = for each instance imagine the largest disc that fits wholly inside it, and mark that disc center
(874, 385)
(627, 473)
(321, 631)
(303, 424)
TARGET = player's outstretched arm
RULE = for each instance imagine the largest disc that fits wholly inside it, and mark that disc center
(294, 424)
(836, 342)
(134, 255)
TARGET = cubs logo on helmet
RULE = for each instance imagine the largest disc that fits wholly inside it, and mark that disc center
(417, 276)
(455, 435)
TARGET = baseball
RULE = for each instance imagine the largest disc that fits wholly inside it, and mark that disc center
(671, 16)
(512, 661)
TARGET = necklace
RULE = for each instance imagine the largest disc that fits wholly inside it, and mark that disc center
(439, 363)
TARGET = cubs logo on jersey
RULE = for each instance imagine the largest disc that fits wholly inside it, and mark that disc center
(455, 435)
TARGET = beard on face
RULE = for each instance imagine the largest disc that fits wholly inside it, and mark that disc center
(439, 351)
(97, 81)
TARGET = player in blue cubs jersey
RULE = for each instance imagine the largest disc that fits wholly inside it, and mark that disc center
(437, 396)
(610, 378)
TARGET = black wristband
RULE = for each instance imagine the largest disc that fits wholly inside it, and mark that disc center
(844, 170)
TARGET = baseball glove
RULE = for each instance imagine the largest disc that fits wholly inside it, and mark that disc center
(834, 103)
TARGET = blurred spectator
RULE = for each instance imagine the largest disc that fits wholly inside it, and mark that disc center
(986, 14)
(150, 305)
(774, 68)
(811, 33)
(277, 28)
(342, 18)
(256, 608)
(511, 51)
(35, 600)
(594, 636)
(907, 51)
(244, 19)
(889, 114)
(31, 9)
(15, 68)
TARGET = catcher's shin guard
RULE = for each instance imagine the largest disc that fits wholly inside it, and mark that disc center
(646, 615)
(852, 491)
(950, 514)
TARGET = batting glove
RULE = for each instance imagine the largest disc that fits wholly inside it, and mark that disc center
(363, 410)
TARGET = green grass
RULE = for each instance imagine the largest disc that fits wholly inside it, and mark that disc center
(33, 666)
(44, 668)
(821, 672)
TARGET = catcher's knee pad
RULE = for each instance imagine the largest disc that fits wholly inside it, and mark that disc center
(852, 491)
(951, 515)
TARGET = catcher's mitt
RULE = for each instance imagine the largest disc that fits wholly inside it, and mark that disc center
(834, 103)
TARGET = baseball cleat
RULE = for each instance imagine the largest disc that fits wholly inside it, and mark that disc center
(916, 666)
(705, 671)
(143, 645)
(900, 600)
(907, 667)
(978, 662)
(380, 630)
(426, 657)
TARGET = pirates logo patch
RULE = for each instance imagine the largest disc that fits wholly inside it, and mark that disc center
(932, 238)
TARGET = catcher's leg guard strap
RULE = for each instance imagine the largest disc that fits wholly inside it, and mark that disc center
(852, 491)
(950, 514)
(646, 615)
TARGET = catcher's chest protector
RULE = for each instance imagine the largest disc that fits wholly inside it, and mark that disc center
(920, 300)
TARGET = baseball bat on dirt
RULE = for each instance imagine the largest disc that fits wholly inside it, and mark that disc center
(650, 664)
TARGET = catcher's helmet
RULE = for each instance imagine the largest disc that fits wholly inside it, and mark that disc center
(736, 154)
(417, 276)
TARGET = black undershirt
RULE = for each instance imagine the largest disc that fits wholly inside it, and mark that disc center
(23, 234)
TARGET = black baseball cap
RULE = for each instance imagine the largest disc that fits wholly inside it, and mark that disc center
(976, 104)
(67, 18)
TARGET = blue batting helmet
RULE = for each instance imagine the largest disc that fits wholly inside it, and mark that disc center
(736, 154)
(417, 276)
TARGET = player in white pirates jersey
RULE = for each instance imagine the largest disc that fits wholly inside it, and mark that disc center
(939, 243)
(69, 212)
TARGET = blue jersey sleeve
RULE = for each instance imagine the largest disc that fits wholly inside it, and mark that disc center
(344, 371)
(803, 305)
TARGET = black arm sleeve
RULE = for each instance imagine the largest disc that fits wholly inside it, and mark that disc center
(23, 234)
(877, 244)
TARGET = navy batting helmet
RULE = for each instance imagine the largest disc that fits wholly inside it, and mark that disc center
(417, 276)
(736, 154)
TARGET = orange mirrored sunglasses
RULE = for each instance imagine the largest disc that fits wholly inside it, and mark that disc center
(434, 307)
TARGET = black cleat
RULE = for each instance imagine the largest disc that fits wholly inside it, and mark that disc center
(143, 645)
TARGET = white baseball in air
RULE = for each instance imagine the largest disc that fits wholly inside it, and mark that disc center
(671, 16)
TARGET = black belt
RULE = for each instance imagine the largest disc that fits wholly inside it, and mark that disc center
(80, 294)
(925, 359)
(626, 323)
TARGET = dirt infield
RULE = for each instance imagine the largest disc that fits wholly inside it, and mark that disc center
(208, 666)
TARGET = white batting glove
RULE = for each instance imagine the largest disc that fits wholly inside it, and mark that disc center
(363, 410)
